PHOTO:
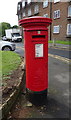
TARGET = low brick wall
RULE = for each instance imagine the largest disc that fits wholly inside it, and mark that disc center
(6, 107)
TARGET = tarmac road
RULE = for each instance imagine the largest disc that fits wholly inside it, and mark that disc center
(57, 104)
(20, 48)
(60, 52)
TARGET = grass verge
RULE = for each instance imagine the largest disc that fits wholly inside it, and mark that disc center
(9, 61)
(61, 42)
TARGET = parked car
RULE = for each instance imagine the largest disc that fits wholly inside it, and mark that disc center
(7, 46)
(4, 38)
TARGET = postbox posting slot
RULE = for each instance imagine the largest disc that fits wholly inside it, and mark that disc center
(38, 36)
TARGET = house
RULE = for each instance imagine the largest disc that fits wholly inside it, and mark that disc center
(59, 11)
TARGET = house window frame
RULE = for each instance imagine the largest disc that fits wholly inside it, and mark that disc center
(45, 15)
(24, 14)
(57, 27)
(19, 16)
(23, 4)
(56, 1)
(29, 1)
(19, 7)
(45, 3)
(68, 32)
(69, 13)
(36, 9)
(56, 14)
(29, 12)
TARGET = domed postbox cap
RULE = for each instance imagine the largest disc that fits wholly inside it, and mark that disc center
(34, 21)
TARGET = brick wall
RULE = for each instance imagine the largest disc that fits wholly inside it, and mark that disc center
(62, 21)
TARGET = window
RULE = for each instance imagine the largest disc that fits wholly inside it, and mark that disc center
(56, 29)
(69, 11)
(29, 12)
(28, 1)
(36, 9)
(19, 17)
(23, 3)
(55, 1)
(45, 15)
(19, 7)
(45, 3)
(68, 29)
(24, 14)
(56, 14)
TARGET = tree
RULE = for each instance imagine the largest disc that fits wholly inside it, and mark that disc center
(15, 26)
(4, 26)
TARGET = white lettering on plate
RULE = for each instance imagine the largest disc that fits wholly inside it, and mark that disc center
(38, 50)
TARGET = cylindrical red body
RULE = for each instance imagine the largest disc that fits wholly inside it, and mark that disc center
(36, 52)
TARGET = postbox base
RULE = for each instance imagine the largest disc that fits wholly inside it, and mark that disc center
(37, 98)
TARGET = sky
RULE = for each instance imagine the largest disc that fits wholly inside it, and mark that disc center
(8, 11)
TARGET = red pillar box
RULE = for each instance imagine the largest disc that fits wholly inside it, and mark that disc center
(36, 52)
